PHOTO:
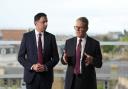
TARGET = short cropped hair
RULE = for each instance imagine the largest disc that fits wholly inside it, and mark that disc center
(39, 15)
(84, 20)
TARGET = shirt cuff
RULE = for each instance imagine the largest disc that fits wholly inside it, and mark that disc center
(65, 60)
(32, 67)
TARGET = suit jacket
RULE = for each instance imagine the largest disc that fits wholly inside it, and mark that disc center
(28, 55)
(92, 48)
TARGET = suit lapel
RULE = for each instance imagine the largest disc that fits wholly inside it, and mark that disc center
(87, 45)
(34, 42)
(74, 42)
(74, 45)
(45, 42)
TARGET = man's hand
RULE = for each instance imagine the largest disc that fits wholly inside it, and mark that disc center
(38, 67)
(65, 57)
(88, 59)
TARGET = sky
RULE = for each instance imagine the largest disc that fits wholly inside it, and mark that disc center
(104, 15)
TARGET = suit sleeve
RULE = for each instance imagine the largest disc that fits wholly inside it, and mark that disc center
(97, 61)
(62, 60)
(55, 55)
(69, 62)
(22, 57)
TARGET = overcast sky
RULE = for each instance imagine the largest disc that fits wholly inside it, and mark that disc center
(104, 15)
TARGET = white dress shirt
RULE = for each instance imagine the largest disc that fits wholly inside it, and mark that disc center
(83, 43)
(37, 37)
(42, 38)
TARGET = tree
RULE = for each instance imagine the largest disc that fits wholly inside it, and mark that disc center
(125, 39)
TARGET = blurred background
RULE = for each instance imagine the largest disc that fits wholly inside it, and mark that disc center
(108, 23)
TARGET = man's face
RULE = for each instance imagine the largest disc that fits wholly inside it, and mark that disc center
(80, 28)
(41, 24)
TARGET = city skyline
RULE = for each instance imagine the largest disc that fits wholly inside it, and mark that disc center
(104, 15)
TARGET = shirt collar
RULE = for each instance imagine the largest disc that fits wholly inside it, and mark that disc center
(37, 33)
(82, 38)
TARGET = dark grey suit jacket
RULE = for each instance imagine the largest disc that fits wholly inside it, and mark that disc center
(28, 55)
(92, 48)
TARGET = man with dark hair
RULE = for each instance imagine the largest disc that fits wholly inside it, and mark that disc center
(38, 55)
(82, 54)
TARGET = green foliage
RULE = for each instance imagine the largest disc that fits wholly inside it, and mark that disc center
(100, 86)
(14, 87)
(125, 39)
(107, 48)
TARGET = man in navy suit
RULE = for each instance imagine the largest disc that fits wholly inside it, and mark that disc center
(38, 55)
(82, 54)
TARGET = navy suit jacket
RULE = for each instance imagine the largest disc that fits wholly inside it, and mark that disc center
(92, 48)
(27, 55)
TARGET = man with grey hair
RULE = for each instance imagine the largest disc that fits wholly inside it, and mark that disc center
(82, 54)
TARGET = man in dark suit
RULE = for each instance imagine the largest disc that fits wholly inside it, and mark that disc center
(82, 54)
(38, 55)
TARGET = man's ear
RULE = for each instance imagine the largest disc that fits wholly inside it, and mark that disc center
(35, 22)
(86, 29)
